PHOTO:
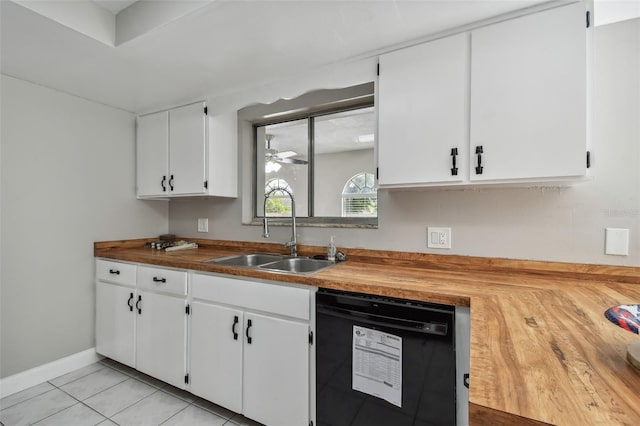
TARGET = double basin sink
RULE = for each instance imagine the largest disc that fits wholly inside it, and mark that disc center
(274, 263)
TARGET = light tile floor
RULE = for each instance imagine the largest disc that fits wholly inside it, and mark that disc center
(108, 393)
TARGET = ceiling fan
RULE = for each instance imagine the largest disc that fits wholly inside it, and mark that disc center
(273, 155)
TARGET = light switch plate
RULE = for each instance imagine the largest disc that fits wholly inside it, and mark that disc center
(203, 224)
(616, 241)
(438, 237)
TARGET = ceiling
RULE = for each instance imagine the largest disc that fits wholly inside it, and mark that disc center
(114, 6)
(221, 47)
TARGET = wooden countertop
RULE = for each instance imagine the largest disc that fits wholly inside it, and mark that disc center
(541, 350)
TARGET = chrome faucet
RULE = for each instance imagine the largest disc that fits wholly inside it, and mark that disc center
(293, 244)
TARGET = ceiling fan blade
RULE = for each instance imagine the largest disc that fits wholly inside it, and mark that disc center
(286, 154)
(291, 160)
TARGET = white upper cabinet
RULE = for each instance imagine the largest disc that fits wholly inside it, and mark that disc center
(153, 154)
(529, 96)
(187, 151)
(510, 98)
(184, 152)
(423, 113)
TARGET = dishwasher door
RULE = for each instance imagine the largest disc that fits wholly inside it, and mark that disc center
(428, 395)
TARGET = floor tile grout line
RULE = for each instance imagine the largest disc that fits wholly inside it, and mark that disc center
(132, 404)
(50, 390)
(91, 396)
(34, 396)
(173, 415)
(74, 380)
(53, 414)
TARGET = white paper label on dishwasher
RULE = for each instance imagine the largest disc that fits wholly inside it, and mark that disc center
(377, 364)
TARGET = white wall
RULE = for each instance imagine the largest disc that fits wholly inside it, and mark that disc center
(554, 224)
(68, 179)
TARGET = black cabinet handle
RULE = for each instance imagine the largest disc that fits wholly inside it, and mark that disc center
(465, 380)
(233, 327)
(454, 168)
(247, 333)
(129, 302)
(159, 280)
(114, 272)
(164, 179)
(479, 155)
(171, 183)
(138, 307)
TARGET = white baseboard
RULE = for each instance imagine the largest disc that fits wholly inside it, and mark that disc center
(26, 379)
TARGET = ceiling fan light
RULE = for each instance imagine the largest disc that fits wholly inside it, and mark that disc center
(271, 166)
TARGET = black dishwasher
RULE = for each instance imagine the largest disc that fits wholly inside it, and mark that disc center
(383, 361)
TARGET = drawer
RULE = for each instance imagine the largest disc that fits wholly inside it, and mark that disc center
(272, 298)
(116, 272)
(160, 279)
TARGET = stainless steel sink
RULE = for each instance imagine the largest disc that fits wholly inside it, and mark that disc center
(274, 262)
(247, 260)
(298, 265)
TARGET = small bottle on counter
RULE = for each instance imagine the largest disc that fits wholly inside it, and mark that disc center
(331, 250)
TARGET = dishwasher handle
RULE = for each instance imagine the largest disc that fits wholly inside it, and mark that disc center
(436, 328)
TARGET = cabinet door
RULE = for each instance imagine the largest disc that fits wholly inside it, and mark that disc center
(161, 337)
(528, 96)
(216, 354)
(276, 371)
(115, 322)
(187, 152)
(153, 154)
(423, 113)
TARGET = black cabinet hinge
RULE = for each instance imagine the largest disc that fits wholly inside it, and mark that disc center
(311, 337)
(187, 309)
(588, 159)
(588, 18)
(206, 184)
(186, 379)
(205, 110)
(378, 70)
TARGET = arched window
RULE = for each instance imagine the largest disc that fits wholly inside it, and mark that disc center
(279, 203)
(360, 197)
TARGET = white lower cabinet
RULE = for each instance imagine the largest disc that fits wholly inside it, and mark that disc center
(216, 354)
(115, 316)
(254, 363)
(244, 345)
(276, 371)
(115, 324)
(161, 325)
(160, 337)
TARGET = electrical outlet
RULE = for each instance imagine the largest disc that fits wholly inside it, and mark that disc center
(439, 238)
(203, 224)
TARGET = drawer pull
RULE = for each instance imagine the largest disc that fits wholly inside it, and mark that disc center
(130, 302)
(233, 327)
(138, 307)
(454, 167)
(479, 152)
(159, 280)
(247, 333)
(114, 272)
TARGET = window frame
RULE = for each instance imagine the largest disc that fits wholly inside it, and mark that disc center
(310, 114)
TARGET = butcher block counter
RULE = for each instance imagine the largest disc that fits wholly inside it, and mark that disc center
(541, 350)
